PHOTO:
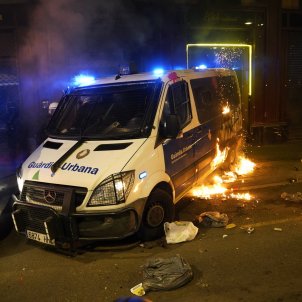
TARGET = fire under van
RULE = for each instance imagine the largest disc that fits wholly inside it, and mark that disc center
(122, 152)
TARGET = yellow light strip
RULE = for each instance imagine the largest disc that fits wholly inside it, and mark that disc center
(226, 45)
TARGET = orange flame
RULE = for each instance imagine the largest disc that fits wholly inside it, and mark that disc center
(229, 176)
(220, 156)
(239, 196)
(226, 109)
(208, 192)
(244, 166)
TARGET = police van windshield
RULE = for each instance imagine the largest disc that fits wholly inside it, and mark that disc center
(115, 111)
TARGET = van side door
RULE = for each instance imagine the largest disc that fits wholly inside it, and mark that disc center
(178, 151)
(209, 116)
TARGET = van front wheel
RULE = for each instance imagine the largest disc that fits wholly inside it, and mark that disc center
(158, 210)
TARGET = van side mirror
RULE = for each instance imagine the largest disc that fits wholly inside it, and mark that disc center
(172, 127)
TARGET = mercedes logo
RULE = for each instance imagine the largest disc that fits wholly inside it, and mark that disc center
(50, 196)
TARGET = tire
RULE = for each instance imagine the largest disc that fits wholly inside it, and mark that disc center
(158, 210)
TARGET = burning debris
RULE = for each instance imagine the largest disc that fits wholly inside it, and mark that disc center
(243, 166)
(220, 155)
(241, 196)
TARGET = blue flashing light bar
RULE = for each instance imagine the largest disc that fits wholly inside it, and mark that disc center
(83, 80)
(201, 67)
(158, 71)
(179, 68)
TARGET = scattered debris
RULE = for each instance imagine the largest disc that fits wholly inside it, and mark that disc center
(224, 236)
(250, 230)
(164, 274)
(180, 231)
(213, 219)
(293, 180)
(296, 197)
(278, 229)
(202, 284)
(202, 251)
(138, 290)
(230, 226)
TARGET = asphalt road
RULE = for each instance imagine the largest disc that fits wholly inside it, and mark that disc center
(263, 266)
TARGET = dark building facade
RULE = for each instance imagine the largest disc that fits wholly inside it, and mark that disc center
(272, 27)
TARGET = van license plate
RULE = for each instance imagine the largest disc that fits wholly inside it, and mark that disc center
(39, 237)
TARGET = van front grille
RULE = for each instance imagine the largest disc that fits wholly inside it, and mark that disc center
(52, 196)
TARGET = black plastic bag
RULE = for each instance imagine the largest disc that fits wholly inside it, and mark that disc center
(166, 274)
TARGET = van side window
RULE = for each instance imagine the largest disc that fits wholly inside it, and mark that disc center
(227, 90)
(204, 92)
(179, 102)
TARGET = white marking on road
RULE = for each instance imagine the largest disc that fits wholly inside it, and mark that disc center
(272, 222)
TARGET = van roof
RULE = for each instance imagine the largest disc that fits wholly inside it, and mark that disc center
(165, 76)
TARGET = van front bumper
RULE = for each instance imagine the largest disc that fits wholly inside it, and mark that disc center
(61, 228)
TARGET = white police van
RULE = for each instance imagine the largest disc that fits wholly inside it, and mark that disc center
(121, 152)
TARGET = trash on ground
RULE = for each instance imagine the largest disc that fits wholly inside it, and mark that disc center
(293, 180)
(296, 197)
(202, 284)
(166, 274)
(230, 226)
(224, 236)
(138, 290)
(278, 229)
(180, 231)
(250, 230)
(213, 219)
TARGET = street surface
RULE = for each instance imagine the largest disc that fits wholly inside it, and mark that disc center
(228, 264)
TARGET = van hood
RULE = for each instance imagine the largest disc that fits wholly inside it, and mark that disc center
(87, 166)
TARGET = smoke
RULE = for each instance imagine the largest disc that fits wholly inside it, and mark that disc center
(67, 37)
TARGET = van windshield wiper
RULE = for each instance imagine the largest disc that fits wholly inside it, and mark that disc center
(58, 163)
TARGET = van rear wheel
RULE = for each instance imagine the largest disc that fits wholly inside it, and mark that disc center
(158, 210)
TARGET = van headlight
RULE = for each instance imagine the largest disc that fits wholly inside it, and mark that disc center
(20, 180)
(113, 190)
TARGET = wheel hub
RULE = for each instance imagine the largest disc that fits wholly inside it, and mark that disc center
(155, 215)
